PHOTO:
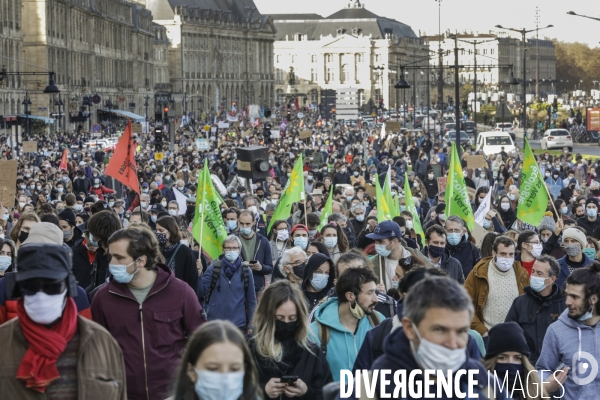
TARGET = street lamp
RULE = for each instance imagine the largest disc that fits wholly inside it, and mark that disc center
(59, 103)
(583, 16)
(523, 33)
(26, 103)
(109, 105)
(146, 105)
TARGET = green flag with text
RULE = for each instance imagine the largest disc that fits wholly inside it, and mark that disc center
(457, 197)
(533, 197)
(293, 192)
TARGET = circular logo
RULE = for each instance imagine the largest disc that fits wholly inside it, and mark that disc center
(300, 115)
(96, 128)
(584, 367)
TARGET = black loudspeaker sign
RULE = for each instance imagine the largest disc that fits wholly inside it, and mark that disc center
(253, 162)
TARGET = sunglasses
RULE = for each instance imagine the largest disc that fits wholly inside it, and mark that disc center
(31, 288)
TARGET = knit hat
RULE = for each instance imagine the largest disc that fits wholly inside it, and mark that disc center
(575, 233)
(45, 233)
(440, 208)
(592, 200)
(89, 199)
(67, 215)
(508, 336)
(547, 223)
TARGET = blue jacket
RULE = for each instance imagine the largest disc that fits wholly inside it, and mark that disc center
(564, 268)
(466, 253)
(262, 254)
(563, 341)
(228, 299)
(343, 345)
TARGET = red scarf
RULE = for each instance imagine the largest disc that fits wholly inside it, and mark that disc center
(38, 366)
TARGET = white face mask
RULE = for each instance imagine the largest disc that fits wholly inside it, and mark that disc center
(253, 209)
(504, 264)
(283, 234)
(537, 250)
(505, 206)
(409, 224)
(43, 308)
(434, 356)
(210, 384)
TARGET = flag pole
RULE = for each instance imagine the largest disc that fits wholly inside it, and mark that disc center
(305, 213)
(550, 198)
(381, 273)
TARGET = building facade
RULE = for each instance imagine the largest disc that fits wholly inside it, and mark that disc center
(12, 92)
(220, 53)
(352, 48)
(493, 55)
(102, 47)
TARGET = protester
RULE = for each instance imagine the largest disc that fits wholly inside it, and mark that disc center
(319, 276)
(178, 257)
(435, 239)
(147, 310)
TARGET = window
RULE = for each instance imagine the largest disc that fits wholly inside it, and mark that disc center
(330, 74)
(313, 58)
(361, 97)
(329, 58)
(313, 75)
(345, 73)
(360, 58)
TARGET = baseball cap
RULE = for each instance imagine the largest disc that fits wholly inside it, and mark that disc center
(386, 230)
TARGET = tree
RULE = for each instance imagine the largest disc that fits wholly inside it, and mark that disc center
(576, 62)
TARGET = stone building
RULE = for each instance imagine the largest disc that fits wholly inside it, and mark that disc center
(102, 47)
(352, 48)
(220, 52)
(12, 90)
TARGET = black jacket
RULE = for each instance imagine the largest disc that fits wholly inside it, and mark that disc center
(467, 254)
(77, 238)
(534, 314)
(449, 264)
(82, 267)
(587, 225)
(183, 265)
(314, 262)
(81, 185)
(310, 366)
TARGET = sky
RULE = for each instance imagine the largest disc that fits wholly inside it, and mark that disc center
(470, 15)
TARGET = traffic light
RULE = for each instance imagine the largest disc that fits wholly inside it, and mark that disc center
(158, 140)
(381, 104)
(555, 105)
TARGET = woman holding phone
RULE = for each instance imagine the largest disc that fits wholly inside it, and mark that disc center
(289, 365)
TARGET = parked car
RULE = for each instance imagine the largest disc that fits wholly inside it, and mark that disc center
(493, 142)
(470, 127)
(450, 126)
(505, 127)
(556, 138)
(465, 139)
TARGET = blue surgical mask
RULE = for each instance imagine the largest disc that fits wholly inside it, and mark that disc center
(564, 210)
(487, 224)
(246, 231)
(67, 234)
(592, 212)
(231, 225)
(360, 218)
(319, 281)
(402, 208)
(382, 250)
(512, 197)
(232, 255)
(395, 284)
(119, 272)
(588, 314)
(454, 238)
(330, 242)
(5, 262)
(301, 242)
(537, 283)
(210, 384)
(154, 218)
(91, 240)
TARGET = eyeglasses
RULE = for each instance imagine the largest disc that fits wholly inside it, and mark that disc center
(231, 248)
(31, 288)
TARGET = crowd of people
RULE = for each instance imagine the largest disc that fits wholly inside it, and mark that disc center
(106, 294)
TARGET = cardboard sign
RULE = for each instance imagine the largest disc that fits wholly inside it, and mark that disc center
(476, 161)
(202, 144)
(30, 146)
(275, 134)
(223, 125)
(158, 156)
(392, 126)
(478, 233)
(247, 133)
(236, 124)
(306, 134)
(136, 128)
(8, 181)
(442, 181)
(370, 190)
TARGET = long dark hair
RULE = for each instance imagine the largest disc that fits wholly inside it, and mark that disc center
(206, 335)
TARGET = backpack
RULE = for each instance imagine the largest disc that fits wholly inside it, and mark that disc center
(215, 276)
(382, 332)
(324, 331)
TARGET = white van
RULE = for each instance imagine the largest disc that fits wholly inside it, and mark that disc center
(492, 142)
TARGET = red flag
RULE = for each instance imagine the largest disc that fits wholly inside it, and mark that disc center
(122, 164)
(63, 161)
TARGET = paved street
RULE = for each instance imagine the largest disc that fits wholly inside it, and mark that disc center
(592, 149)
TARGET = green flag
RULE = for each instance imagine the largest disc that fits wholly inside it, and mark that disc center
(208, 227)
(387, 193)
(383, 210)
(327, 210)
(410, 206)
(293, 192)
(533, 197)
(457, 197)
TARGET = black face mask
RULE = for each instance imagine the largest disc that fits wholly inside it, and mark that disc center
(23, 236)
(285, 330)
(299, 270)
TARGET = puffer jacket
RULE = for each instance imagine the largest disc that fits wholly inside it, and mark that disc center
(478, 288)
(100, 366)
(466, 253)
(450, 265)
(535, 314)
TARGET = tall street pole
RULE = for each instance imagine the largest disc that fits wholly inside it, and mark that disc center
(456, 97)
(440, 82)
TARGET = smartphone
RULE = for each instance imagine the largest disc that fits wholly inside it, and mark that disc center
(253, 262)
(289, 379)
(560, 366)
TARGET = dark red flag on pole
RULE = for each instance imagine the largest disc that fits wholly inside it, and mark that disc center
(63, 161)
(122, 164)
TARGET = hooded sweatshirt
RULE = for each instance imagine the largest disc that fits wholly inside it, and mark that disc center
(577, 345)
(314, 262)
(343, 345)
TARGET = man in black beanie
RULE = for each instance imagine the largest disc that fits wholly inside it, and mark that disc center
(72, 235)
